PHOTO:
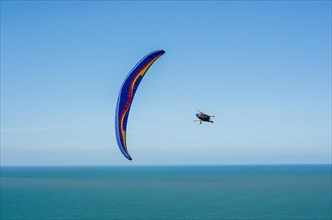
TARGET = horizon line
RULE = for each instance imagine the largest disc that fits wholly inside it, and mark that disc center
(162, 165)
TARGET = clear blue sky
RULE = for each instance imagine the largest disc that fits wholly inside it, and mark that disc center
(262, 67)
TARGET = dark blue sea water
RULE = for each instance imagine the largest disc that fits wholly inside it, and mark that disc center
(167, 192)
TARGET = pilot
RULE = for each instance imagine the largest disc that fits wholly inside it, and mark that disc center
(204, 117)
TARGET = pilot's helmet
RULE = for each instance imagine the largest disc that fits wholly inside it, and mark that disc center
(197, 114)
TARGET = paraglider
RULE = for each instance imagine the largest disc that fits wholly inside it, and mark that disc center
(126, 96)
(204, 117)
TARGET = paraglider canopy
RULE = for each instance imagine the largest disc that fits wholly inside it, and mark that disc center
(126, 97)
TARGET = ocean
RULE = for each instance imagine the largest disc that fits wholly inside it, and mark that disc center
(167, 192)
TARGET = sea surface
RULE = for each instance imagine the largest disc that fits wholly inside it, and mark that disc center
(167, 192)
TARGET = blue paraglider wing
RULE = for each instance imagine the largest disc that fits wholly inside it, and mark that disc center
(126, 97)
